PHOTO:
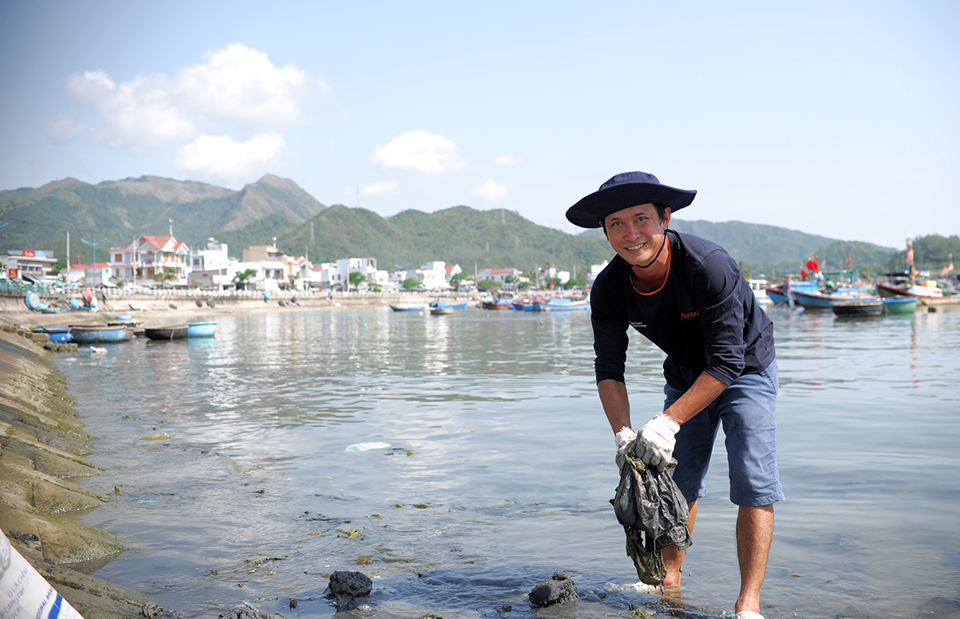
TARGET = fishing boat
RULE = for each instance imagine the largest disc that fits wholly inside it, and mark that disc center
(555, 305)
(460, 305)
(899, 306)
(407, 307)
(441, 311)
(99, 334)
(170, 332)
(201, 329)
(861, 307)
(778, 294)
(57, 334)
(497, 304)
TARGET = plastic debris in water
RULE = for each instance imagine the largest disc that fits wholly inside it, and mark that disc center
(367, 446)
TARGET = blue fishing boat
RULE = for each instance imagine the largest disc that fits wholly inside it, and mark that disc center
(201, 329)
(445, 304)
(778, 294)
(99, 334)
(57, 334)
(407, 307)
(564, 305)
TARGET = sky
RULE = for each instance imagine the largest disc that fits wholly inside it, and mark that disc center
(832, 118)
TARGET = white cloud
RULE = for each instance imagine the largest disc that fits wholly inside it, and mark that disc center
(490, 190)
(506, 160)
(220, 157)
(62, 129)
(240, 83)
(236, 83)
(137, 113)
(379, 189)
(419, 151)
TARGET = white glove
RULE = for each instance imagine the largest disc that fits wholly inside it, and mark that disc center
(623, 438)
(657, 439)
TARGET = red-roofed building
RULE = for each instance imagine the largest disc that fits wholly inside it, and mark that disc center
(499, 275)
(150, 256)
(87, 274)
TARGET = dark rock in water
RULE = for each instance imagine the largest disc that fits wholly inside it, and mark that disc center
(210, 303)
(245, 612)
(944, 608)
(172, 306)
(557, 589)
(345, 587)
(199, 303)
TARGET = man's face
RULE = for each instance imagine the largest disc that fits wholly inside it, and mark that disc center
(636, 233)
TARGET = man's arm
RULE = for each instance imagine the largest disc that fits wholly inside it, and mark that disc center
(704, 391)
(657, 437)
(616, 404)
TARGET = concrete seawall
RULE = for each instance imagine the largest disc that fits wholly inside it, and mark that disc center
(13, 310)
(43, 450)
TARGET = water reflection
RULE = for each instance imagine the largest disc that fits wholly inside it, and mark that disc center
(496, 433)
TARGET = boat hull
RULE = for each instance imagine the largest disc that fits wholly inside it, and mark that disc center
(407, 308)
(201, 329)
(873, 307)
(494, 305)
(563, 305)
(174, 332)
(95, 334)
(899, 306)
(56, 334)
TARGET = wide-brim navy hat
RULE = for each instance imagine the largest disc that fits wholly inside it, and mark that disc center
(623, 191)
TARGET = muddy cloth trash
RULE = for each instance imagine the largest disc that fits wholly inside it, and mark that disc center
(653, 513)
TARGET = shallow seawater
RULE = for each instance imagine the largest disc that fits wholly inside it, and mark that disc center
(499, 466)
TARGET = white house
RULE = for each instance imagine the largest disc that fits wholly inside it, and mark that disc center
(337, 273)
(594, 271)
(148, 256)
(433, 276)
(551, 273)
(210, 266)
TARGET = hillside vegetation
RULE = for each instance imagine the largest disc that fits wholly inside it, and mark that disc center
(277, 208)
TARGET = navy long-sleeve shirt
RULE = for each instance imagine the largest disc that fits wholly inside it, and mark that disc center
(705, 318)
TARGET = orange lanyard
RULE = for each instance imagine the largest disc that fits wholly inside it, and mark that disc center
(665, 277)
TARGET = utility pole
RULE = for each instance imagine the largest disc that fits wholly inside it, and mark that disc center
(94, 244)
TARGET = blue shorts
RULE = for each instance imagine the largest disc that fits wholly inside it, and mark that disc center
(748, 411)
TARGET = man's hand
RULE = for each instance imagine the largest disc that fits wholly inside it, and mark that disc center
(657, 439)
(623, 438)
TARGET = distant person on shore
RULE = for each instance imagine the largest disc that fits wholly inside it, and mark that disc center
(687, 296)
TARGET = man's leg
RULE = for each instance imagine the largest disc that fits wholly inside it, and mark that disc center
(754, 535)
(673, 556)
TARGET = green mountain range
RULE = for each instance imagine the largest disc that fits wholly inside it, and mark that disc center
(277, 208)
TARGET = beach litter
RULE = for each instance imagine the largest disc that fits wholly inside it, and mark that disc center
(367, 446)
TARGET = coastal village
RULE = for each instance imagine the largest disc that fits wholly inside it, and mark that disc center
(163, 262)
